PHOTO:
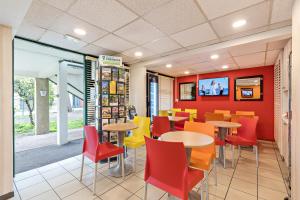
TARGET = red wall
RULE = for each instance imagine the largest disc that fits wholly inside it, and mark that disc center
(264, 109)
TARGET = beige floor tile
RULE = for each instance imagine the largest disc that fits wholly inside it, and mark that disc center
(238, 195)
(50, 195)
(60, 180)
(49, 167)
(244, 186)
(133, 184)
(54, 173)
(153, 193)
(221, 179)
(134, 197)
(228, 171)
(89, 178)
(26, 174)
(68, 188)
(34, 190)
(86, 170)
(270, 174)
(243, 175)
(29, 182)
(72, 166)
(271, 184)
(248, 169)
(81, 194)
(140, 174)
(103, 185)
(219, 190)
(269, 194)
(117, 192)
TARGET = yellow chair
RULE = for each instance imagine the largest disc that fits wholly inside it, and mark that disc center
(137, 139)
(174, 110)
(163, 113)
(193, 114)
(248, 113)
(202, 158)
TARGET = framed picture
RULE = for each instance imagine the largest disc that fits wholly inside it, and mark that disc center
(106, 73)
(114, 74)
(122, 75)
(249, 88)
(122, 111)
(187, 91)
(113, 100)
(115, 112)
(105, 87)
(120, 88)
(106, 112)
(105, 100)
(113, 87)
(121, 100)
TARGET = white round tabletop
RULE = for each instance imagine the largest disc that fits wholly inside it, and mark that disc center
(189, 139)
(224, 124)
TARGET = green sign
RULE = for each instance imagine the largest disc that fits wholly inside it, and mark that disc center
(110, 60)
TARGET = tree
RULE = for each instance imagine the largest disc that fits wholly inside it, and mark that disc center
(25, 89)
(51, 94)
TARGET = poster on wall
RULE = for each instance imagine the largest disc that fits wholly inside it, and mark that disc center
(105, 87)
(105, 100)
(106, 112)
(121, 100)
(187, 91)
(122, 111)
(113, 87)
(120, 88)
(114, 74)
(122, 75)
(115, 112)
(248, 88)
(106, 73)
(113, 100)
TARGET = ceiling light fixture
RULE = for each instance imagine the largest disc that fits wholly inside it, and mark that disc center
(214, 56)
(138, 54)
(71, 38)
(239, 23)
(79, 31)
(186, 72)
(168, 65)
(225, 67)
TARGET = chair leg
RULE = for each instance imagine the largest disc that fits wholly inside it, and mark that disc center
(224, 155)
(256, 152)
(232, 162)
(82, 165)
(239, 151)
(146, 188)
(95, 177)
(135, 160)
(123, 166)
(108, 163)
(215, 169)
(206, 184)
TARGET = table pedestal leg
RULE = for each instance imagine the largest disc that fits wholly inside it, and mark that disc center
(172, 124)
(222, 134)
(117, 170)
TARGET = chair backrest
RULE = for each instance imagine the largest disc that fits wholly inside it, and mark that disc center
(225, 112)
(91, 140)
(235, 117)
(166, 165)
(214, 116)
(251, 113)
(248, 128)
(182, 114)
(161, 125)
(193, 113)
(143, 124)
(174, 110)
(163, 113)
(204, 128)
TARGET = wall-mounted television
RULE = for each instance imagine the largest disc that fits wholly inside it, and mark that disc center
(214, 87)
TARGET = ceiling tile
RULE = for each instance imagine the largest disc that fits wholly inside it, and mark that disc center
(63, 5)
(246, 33)
(217, 8)
(66, 24)
(251, 60)
(195, 35)
(271, 57)
(125, 58)
(139, 32)
(59, 40)
(162, 45)
(231, 66)
(146, 52)
(281, 10)
(142, 6)
(107, 14)
(30, 31)
(256, 16)
(95, 50)
(114, 43)
(277, 44)
(175, 16)
(42, 15)
(247, 49)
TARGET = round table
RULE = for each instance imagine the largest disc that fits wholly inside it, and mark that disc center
(174, 119)
(121, 128)
(190, 140)
(222, 133)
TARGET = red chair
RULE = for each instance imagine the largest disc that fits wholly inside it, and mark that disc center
(160, 126)
(246, 136)
(96, 151)
(167, 168)
(179, 126)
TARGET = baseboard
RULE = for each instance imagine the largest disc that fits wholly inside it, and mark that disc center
(7, 196)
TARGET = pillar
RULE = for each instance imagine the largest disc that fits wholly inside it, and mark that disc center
(6, 110)
(63, 102)
(41, 101)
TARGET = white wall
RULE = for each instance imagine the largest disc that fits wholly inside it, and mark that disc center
(296, 101)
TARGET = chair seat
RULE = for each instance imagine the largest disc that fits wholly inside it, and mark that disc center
(179, 128)
(106, 150)
(201, 160)
(219, 142)
(237, 140)
(134, 142)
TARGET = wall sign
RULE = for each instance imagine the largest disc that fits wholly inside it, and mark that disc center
(110, 60)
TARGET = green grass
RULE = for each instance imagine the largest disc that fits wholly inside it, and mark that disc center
(26, 128)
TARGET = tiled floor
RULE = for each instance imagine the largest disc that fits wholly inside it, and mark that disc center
(61, 180)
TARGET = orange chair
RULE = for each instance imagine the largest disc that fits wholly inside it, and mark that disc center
(225, 112)
(235, 118)
(202, 158)
(247, 113)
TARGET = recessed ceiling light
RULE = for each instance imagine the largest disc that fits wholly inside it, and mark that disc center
(168, 65)
(239, 23)
(186, 72)
(138, 54)
(71, 38)
(214, 56)
(225, 67)
(79, 31)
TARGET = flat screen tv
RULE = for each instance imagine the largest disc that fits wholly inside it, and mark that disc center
(214, 87)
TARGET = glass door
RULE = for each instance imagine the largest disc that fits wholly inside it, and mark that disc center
(152, 95)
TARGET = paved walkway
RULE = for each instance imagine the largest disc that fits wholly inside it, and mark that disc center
(23, 143)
